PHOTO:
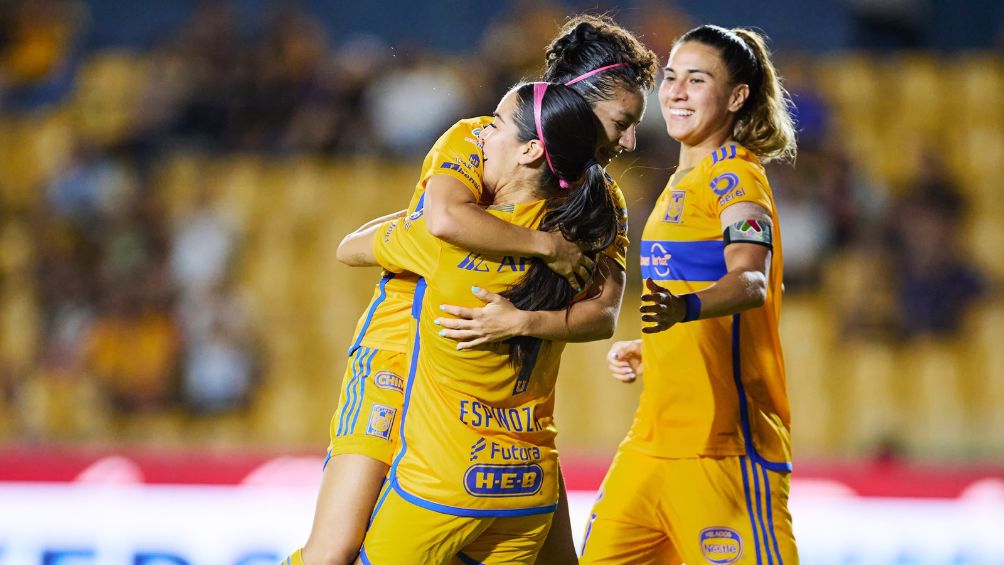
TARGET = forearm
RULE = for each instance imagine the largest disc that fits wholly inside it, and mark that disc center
(587, 320)
(356, 249)
(470, 227)
(736, 292)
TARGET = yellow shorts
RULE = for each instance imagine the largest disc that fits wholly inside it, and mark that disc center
(702, 510)
(402, 533)
(368, 415)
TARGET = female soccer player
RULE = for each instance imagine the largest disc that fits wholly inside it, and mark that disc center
(476, 476)
(612, 70)
(703, 473)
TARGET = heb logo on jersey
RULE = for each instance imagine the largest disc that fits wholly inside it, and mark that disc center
(478, 263)
(721, 545)
(388, 381)
(491, 481)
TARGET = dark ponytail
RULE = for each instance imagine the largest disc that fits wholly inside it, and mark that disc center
(584, 213)
(587, 42)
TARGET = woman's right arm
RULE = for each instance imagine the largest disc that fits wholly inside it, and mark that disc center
(454, 216)
(356, 250)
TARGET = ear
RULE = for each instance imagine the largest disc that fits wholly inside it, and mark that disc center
(739, 95)
(530, 152)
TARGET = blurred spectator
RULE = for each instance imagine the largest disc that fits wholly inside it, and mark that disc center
(201, 249)
(412, 105)
(806, 232)
(936, 283)
(889, 24)
(39, 50)
(220, 370)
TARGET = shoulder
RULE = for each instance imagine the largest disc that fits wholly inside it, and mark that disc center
(463, 134)
(729, 166)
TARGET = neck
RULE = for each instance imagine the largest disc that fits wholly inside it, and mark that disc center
(691, 155)
(516, 191)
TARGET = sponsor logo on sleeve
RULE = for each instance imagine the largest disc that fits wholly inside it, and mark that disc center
(721, 545)
(724, 183)
(493, 481)
(388, 381)
(381, 421)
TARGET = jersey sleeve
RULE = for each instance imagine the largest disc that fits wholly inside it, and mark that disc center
(738, 180)
(404, 244)
(618, 249)
(456, 154)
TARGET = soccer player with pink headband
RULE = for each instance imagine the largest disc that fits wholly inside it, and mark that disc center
(611, 70)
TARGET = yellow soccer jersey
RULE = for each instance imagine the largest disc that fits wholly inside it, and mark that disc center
(714, 386)
(384, 324)
(477, 437)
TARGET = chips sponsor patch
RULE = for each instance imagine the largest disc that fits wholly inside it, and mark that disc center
(388, 381)
(721, 545)
(674, 210)
(381, 421)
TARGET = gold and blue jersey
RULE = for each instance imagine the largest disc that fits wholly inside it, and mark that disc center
(712, 387)
(477, 436)
(384, 323)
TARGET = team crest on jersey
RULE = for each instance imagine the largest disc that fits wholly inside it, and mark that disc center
(388, 381)
(674, 210)
(721, 545)
(475, 160)
(381, 421)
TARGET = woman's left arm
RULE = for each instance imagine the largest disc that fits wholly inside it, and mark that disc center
(743, 287)
(590, 319)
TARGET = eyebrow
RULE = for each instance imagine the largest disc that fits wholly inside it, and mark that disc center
(671, 70)
(497, 116)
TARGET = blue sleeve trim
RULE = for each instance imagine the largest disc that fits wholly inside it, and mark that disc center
(467, 560)
(369, 315)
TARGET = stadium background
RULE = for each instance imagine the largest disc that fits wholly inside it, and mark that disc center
(175, 177)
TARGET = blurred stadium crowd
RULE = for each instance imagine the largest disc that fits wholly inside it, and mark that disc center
(169, 219)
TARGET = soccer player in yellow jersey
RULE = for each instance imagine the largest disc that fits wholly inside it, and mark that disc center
(703, 474)
(612, 70)
(476, 476)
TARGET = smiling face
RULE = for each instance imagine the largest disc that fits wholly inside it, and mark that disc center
(500, 143)
(696, 97)
(619, 117)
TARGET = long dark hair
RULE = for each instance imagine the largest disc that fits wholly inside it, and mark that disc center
(587, 42)
(764, 124)
(584, 212)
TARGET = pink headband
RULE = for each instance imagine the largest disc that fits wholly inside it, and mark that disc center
(593, 72)
(539, 88)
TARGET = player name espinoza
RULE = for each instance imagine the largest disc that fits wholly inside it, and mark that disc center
(478, 415)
